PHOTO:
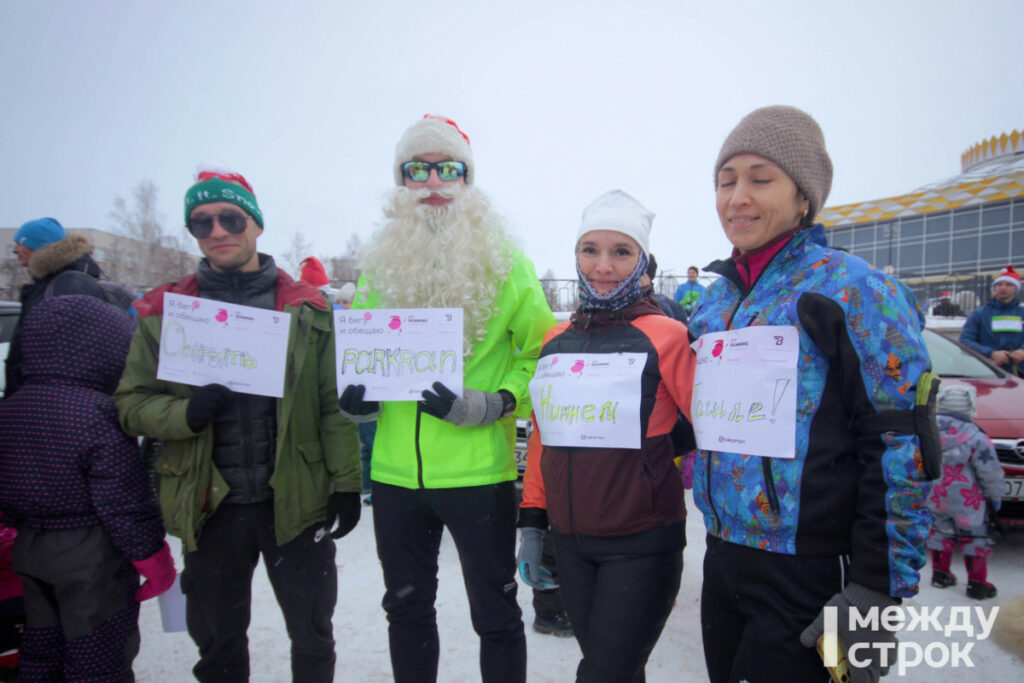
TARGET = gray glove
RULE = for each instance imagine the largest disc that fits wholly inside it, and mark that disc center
(528, 560)
(863, 598)
(474, 409)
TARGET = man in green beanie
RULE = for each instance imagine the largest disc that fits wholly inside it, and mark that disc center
(245, 475)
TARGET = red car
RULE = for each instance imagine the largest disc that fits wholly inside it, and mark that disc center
(1000, 411)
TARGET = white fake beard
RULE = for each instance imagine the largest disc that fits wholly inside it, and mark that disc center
(452, 256)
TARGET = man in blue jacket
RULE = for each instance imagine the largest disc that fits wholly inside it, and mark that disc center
(996, 330)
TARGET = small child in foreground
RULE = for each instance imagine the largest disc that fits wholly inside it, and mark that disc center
(73, 485)
(972, 481)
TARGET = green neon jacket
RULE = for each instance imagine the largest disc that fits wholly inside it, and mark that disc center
(317, 449)
(416, 450)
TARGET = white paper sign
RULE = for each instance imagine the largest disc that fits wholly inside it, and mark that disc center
(203, 341)
(396, 353)
(588, 399)
(744, 391)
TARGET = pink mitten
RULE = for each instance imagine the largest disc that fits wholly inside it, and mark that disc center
(158, 570)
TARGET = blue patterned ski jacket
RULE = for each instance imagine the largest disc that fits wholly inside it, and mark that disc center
(845, 491)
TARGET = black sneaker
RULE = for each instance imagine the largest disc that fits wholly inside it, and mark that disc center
(557, 625)
(941, 579)
(980, 591)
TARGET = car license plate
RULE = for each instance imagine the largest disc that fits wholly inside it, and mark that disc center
(1013, 488)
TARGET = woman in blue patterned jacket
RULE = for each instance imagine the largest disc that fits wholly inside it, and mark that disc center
(839, 519)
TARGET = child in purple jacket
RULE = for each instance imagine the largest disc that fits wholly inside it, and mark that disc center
(972, 481)
(73, 485)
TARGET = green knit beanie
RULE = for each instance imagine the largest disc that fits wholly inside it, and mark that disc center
(216, 189)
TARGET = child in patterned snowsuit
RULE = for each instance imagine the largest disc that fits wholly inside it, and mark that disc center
(73, 485)
(972, 480)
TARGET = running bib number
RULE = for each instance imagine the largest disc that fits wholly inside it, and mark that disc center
(588, 400)
(744, 391)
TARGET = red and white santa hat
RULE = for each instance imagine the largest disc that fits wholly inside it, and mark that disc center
(433, 135)
(1009, 275)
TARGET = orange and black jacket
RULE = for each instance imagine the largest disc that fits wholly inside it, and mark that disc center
(609, 492)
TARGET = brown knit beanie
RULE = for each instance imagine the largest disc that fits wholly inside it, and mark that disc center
(790, 138)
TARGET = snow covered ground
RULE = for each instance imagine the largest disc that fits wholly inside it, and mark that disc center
(361, 629)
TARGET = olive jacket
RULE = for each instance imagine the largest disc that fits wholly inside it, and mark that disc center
(317, 449)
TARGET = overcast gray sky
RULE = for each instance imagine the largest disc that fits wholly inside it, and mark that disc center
(561, 100)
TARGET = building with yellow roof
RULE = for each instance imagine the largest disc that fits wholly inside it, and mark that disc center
(968, 225)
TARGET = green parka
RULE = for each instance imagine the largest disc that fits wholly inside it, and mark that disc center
(317, 449)
(415, 450)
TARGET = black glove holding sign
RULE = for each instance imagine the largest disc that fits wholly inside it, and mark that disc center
(473, 409)
(206, 404)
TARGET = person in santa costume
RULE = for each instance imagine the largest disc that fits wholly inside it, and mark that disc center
(996, 330)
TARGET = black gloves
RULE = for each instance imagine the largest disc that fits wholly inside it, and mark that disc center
(475, 408)
(344, 508)
(207, 403)
(352, 405)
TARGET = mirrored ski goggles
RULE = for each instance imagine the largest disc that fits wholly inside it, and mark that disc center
(232, 221)
(419, 171)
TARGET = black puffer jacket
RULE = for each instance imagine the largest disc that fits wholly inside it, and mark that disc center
(244, 435)
(47, 265)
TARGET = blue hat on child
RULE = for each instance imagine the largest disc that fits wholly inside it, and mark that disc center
(40, 232)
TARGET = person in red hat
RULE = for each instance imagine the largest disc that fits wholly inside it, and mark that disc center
(996, 330)
(448, 461)
(245, 475)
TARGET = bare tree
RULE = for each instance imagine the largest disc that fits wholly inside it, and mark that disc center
(551, 288)
(300, 248)
(152, 254)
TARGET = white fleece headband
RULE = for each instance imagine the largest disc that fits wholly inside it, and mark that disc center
(433, 135)
(616, 210)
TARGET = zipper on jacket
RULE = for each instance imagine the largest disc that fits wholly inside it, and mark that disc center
(769, 484)
(419, 455)
(250, 475)
(647, 469)
(766, 465)
(707, 492)
(572, 514)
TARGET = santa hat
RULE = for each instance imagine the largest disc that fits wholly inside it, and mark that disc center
(1009, 275)
(433, 135)
(313, 272)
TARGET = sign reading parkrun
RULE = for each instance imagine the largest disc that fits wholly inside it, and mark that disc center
(744, 391)
(396, 353)
(588, 399)
(203, 341)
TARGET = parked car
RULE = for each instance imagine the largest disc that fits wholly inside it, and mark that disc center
(9, 312)
(1000, 411)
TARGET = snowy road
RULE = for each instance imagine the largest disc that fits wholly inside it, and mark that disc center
(361, 629)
